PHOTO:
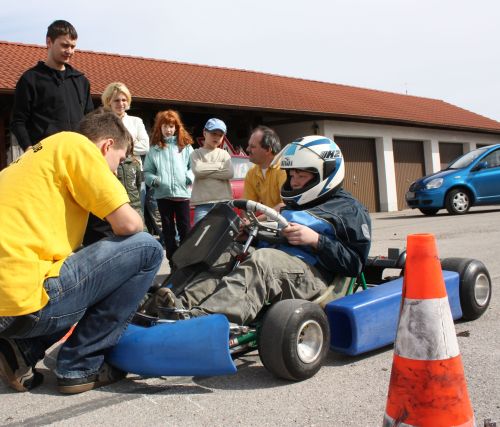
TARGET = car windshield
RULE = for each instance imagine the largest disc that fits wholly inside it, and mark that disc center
(240, 166)
(467, 159)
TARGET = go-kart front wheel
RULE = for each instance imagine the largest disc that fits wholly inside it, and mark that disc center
(294, 339)
(475, 285)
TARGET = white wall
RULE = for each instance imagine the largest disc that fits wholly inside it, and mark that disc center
(384, 135)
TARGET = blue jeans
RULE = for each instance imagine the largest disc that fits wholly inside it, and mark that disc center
(99, 287)
(200, 211)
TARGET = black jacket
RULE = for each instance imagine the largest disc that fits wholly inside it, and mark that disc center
(48, 101)
(345, 253)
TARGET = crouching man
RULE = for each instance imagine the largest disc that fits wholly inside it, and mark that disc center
(45, 286)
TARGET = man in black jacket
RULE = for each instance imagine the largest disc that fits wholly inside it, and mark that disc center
(52, 96)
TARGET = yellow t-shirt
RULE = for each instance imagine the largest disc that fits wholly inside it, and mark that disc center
(265, 190)
(45, 197)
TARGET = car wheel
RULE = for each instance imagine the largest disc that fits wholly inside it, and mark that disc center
(294, 339)
(458, 201)
(475, 285)
(429, 211)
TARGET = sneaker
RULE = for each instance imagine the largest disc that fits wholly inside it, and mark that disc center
(106, 375)
(13, 369)
(160, 300)
(170, 307)
(166, 298)
(173, 313)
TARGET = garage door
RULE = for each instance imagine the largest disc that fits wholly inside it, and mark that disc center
(360, 170)
(449, 152)
(408, 165)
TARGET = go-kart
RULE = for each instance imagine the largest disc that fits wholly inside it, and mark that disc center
(292, 336)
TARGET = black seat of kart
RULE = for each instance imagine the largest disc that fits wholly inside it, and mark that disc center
(204, 244)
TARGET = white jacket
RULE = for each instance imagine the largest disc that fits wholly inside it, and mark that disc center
(136, 127)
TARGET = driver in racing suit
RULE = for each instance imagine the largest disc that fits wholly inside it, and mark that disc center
(328, 235)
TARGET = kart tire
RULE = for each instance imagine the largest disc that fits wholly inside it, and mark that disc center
(429, 211)
(458, 201)
(294, 339)
(474, 285)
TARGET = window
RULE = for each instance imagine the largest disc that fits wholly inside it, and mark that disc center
(493, 159)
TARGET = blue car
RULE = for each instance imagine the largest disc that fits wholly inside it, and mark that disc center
(472, 179)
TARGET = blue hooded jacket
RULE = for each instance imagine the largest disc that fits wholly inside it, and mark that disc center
(168, 171)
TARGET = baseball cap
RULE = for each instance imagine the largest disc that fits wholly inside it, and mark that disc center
(216, 124)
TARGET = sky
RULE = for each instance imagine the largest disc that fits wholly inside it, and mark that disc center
(441, 49)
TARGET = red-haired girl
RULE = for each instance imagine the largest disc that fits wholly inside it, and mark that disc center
(167, 170)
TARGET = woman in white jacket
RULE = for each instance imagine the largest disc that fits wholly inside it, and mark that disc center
(117, 98)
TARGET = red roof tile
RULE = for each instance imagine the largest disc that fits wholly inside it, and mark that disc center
(152, 79)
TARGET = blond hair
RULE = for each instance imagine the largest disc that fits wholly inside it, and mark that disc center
(113, 89)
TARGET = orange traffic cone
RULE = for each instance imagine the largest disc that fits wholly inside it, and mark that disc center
(427, 386)
(66, 336)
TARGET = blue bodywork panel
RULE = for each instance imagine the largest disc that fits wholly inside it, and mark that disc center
(194, 347)
(368, 320)
(359, 323)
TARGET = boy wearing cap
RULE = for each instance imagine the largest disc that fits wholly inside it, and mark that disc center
(212, 170)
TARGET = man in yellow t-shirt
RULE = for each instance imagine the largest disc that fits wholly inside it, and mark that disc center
(263, 181)
(46, 283)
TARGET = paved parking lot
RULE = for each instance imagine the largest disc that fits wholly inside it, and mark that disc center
(348, 391)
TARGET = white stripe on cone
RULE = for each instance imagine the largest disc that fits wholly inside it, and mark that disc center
(426, 330)
(391, 422)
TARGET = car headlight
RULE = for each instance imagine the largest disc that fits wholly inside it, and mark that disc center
(434, 183)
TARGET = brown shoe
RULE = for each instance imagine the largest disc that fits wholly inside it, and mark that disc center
(106, 375)
(13, 369)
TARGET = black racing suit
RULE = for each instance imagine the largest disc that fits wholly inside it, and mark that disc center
(345, 254)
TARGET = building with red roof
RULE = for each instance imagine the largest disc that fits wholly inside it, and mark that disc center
(388, 139)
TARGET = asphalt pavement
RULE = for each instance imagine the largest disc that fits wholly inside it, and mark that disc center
(347, 391)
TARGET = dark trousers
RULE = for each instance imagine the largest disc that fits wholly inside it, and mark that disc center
(175, 217)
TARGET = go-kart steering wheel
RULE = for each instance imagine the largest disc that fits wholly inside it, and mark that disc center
(263, 230)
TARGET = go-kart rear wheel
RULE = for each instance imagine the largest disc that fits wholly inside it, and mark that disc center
(294, 339)
(475, 285)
